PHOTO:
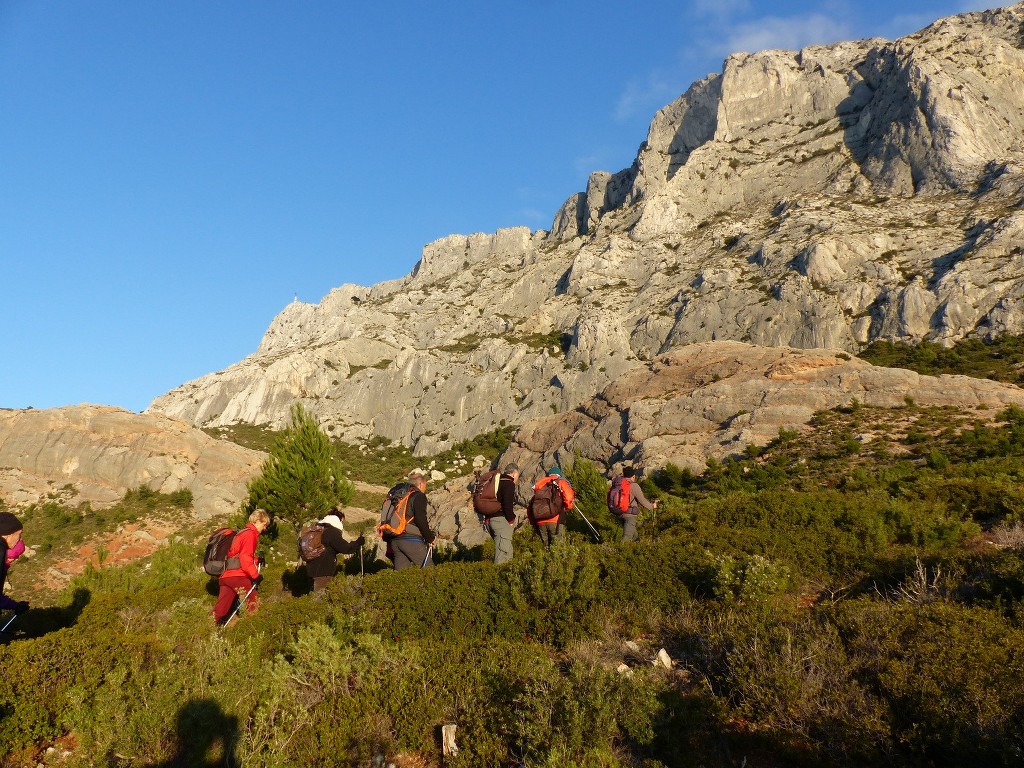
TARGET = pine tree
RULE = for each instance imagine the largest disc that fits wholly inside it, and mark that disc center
(302, 478)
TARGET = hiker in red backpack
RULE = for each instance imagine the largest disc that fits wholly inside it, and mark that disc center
(237, 581)
(552, 496)
(10, 537)
(502, 524)
(625, 499)
(414, 547)
(323, 568)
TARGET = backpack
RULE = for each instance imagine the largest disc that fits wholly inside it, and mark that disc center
(485, 493)
(618, 496)
(394, 512)
(311, 544)
(215, 559)
(547, 502)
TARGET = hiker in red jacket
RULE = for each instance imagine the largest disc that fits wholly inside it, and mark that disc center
(237, 580)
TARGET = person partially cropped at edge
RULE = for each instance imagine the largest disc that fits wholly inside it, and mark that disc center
(324, 568)
(243, 568)
(10, 539)
(413, 548)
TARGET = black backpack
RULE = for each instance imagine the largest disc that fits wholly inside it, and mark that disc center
(395, 513)
(215, 559)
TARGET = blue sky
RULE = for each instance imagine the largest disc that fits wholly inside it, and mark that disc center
(172, 174)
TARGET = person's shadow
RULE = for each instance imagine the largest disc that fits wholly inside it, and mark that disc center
(206, 737)
(36, 622)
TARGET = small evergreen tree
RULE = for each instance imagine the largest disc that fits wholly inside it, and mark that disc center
(591, 499)
(302, 477)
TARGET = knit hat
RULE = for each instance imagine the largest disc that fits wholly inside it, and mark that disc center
(555, 471)
(9, 523)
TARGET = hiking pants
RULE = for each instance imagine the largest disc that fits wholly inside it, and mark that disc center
(409, 553)
(233, 588)
(550, 533)
(501, 531)
(629, 527)
(320, 583)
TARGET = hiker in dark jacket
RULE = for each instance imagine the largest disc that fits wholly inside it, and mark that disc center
(636, 500)
(10, 535)
(414, 548)
(322, 569)
(502, 525)
(238, 582)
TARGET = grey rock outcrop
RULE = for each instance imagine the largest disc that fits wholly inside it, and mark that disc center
(95, 453)
(714, 399)
(823, 198)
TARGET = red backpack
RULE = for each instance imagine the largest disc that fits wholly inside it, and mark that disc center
(547, 502)
(618, 496)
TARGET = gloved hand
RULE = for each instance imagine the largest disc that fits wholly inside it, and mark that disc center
(20, 607)
(360, 541)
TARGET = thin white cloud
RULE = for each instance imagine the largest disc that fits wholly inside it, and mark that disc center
(719, 8)
(645, 97)
(776, 32)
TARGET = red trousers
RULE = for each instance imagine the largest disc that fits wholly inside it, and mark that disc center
(232, 587)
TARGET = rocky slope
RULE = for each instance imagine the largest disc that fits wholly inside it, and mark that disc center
(95, 453)
(814, 199)
(712, 400)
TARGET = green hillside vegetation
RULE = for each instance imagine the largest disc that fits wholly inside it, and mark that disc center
(380, 461)
(849, 595)
(1001, 359)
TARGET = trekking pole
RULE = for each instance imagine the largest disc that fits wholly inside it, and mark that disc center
(9, 621)
(593, 530)
(242, 601)
(360, 562)
(430, 548)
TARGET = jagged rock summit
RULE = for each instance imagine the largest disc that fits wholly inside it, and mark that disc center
(821, 198)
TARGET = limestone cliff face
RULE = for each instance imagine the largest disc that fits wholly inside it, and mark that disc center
(822, 198)
(95, 453)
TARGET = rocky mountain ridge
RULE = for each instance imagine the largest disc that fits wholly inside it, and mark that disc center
(815, 199)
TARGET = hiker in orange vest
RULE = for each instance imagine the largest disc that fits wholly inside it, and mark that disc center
(237, 581)
(625, 499)
(552, 496)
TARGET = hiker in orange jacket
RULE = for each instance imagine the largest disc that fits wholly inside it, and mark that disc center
(236, 581)
(552, 497)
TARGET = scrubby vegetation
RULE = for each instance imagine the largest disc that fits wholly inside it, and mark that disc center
(848, 595)
(1001, 359)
